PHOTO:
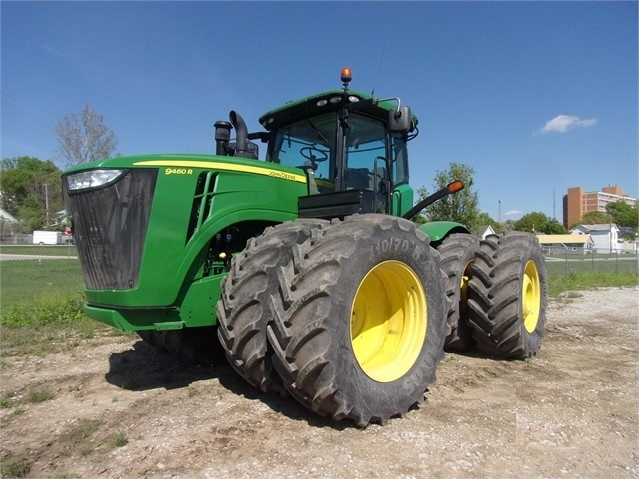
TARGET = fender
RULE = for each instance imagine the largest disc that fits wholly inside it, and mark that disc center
(438, 231)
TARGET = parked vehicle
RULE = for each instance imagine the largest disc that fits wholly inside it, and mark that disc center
(47, 237)
(307, 265)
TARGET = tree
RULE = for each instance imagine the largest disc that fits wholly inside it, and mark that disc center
(538, 222)
(460, 207)
(484, 219)
(31, 191)
(594, 218)
(84, 137)
(623, 214)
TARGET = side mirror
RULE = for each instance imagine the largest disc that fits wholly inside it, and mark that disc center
(399, 120)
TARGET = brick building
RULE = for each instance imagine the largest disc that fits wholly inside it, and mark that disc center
(577, 202)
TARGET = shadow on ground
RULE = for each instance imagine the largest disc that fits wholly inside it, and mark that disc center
(144, 367)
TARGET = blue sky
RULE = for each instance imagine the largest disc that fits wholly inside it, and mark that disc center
(537, 97)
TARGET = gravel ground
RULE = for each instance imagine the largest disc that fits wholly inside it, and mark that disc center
(112, 407)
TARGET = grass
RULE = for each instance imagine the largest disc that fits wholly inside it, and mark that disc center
(118, 440)
(41, 301)
(50, 250)
(39, 395)
(588, 281)
(14, 467)
(8, 400)
(602, 264)
(80, 432)
(23, 281)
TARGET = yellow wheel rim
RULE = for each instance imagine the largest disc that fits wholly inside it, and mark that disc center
(531, 297)
(463, 287)
(388, 321)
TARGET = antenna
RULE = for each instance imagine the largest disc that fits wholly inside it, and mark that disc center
(379, 67)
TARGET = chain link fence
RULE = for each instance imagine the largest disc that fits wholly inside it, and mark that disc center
(602, 262)
(29, 272)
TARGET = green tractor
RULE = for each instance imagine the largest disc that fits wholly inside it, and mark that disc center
(305, 268)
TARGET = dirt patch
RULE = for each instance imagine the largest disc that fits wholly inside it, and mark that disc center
(113, 407)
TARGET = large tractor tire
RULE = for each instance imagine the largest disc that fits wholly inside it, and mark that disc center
(508, 296)
(359, 320)
(243, 310)
(457, 257)
(195, 344)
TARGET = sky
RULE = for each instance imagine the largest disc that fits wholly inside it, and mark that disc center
(536, 97)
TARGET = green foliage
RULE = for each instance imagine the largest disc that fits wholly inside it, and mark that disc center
(484, 219)
(460, 207)
(538, 222)
(623, 214)
(46, 310)
(30, 215)
(594, 218)
(28, 187)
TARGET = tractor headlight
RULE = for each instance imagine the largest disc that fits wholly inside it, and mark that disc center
(92, 179)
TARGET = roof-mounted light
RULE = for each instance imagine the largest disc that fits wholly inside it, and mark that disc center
(346, 76)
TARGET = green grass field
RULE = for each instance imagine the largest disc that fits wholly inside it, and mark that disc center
(25, 281)
(57, 250)
(49, 290)
(604, 264)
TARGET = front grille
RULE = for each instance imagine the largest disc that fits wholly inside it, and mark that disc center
(109, 228)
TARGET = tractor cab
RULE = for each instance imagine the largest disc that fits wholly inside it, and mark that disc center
(351, 146)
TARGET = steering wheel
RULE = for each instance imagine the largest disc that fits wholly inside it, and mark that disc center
(308, 152)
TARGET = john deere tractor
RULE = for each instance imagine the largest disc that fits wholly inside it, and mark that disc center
(304, 268)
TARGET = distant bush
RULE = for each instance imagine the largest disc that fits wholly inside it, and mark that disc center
(44, 310)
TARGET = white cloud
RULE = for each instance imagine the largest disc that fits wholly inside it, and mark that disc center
(52, 50)
(563, 123)
(513, 214)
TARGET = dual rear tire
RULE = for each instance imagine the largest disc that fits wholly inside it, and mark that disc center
(508, 296)
(497, 291)
(243, 311)
(359, 319)
(350, 317)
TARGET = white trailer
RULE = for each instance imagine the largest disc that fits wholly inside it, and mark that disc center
(47, 237)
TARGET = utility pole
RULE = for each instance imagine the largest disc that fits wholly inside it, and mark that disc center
(46, 204)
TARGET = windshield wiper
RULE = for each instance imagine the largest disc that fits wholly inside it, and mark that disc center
(321, 135)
